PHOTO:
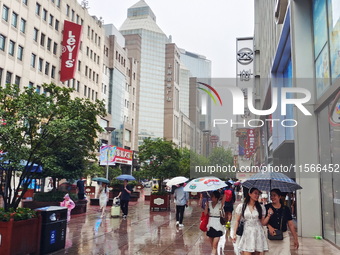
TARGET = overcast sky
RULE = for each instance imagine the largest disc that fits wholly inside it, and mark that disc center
(209, 28)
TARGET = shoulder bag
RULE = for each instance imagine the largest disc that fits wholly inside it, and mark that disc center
(278, 232)
(222, 217)
(240, 228)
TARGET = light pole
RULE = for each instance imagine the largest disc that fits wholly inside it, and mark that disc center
(109, 130)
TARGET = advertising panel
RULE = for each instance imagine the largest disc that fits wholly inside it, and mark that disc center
(70, 48)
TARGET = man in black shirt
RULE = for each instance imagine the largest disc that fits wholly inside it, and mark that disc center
(124, 195)
(81, 189)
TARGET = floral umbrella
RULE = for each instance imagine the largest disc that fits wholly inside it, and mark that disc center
(201, 184)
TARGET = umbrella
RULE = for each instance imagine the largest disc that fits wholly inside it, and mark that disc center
(101, 179)
(123, 177)
(269, 180)
(204, 184)
(237, 183)
(176, 180)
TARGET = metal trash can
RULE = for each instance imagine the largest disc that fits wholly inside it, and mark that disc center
(53, 228)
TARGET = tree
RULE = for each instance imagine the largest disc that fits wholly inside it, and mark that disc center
(159, 158)
(184, 163)
(49, 130)
(222, 157)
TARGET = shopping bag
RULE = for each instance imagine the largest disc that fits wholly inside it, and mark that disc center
(204, 222)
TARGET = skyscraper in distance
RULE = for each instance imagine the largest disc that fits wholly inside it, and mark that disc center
(141, 21)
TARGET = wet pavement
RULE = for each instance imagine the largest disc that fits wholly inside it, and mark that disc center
(152, 233)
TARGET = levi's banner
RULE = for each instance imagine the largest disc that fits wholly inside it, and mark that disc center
(70, 47)
(111, 155)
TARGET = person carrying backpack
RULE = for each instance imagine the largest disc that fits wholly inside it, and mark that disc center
(229, 200)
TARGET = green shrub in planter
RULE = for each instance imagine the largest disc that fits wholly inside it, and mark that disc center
(160, 193)
(53, 196)
(18, 214)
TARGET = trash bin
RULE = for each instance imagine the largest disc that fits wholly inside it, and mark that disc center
(53, 228)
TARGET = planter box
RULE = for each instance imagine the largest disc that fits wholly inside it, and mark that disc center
(90, 190)
(139, 186)
(81, 205)
(20, 237)
(160, 202)
(29, 193)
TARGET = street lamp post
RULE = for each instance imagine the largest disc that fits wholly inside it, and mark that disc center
(109, 130)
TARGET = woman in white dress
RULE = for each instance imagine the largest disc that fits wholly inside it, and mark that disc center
(103, 196)
(215, 228)
(253, 240)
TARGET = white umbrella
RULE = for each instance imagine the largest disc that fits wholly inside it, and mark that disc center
(176, 180)
(201, 184)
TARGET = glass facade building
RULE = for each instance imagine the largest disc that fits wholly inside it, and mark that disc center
(142, 21)
(200, 67)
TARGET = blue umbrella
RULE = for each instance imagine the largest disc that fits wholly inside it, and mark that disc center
(101, 179)
(269, 180)
(123, 177)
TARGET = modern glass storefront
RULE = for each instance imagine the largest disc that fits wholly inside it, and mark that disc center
(326, 21)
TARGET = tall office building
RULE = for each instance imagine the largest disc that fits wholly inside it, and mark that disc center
(200, 67)
(141, 21)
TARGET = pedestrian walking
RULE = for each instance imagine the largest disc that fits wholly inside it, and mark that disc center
(81, 189)
(69, 204)
(103, 197)
(181, 201)
(215, 228)
(278, 217)
(253, 240)
(204, 197)
(124, 195)
(228, 201)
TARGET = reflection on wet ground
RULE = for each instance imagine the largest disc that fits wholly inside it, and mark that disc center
(152, 233)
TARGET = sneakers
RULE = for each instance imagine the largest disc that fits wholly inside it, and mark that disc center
(124, 216)
(177, 223)
(181, 225)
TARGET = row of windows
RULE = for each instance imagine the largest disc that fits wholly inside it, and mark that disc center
(90, 93)
(14, 20)
(127, 105)
(92, 55)
(91, 74)
(39, 63)
(11, 47)
(51, 21)
(9, 77)
(91, 34)
(120, 59)
(43, 41)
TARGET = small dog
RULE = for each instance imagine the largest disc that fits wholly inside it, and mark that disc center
(221, 244)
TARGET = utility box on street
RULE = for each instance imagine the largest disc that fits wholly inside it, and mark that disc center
(53, 228)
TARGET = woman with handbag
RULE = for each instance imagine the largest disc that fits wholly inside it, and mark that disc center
(277, 218)
(215, 228)
(253, 239)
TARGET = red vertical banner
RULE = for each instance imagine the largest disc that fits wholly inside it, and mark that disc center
(70, 48)
(251, 141)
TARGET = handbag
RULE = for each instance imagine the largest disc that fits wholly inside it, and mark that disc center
(222, 217)
(204, 222)
(278, 232)
(240, 228)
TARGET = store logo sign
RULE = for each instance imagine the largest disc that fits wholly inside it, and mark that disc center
(70, 48)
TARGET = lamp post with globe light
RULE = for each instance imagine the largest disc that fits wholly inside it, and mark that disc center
(109, 130)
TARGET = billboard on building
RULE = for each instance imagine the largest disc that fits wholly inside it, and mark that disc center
(112, 155)
(70, 48)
